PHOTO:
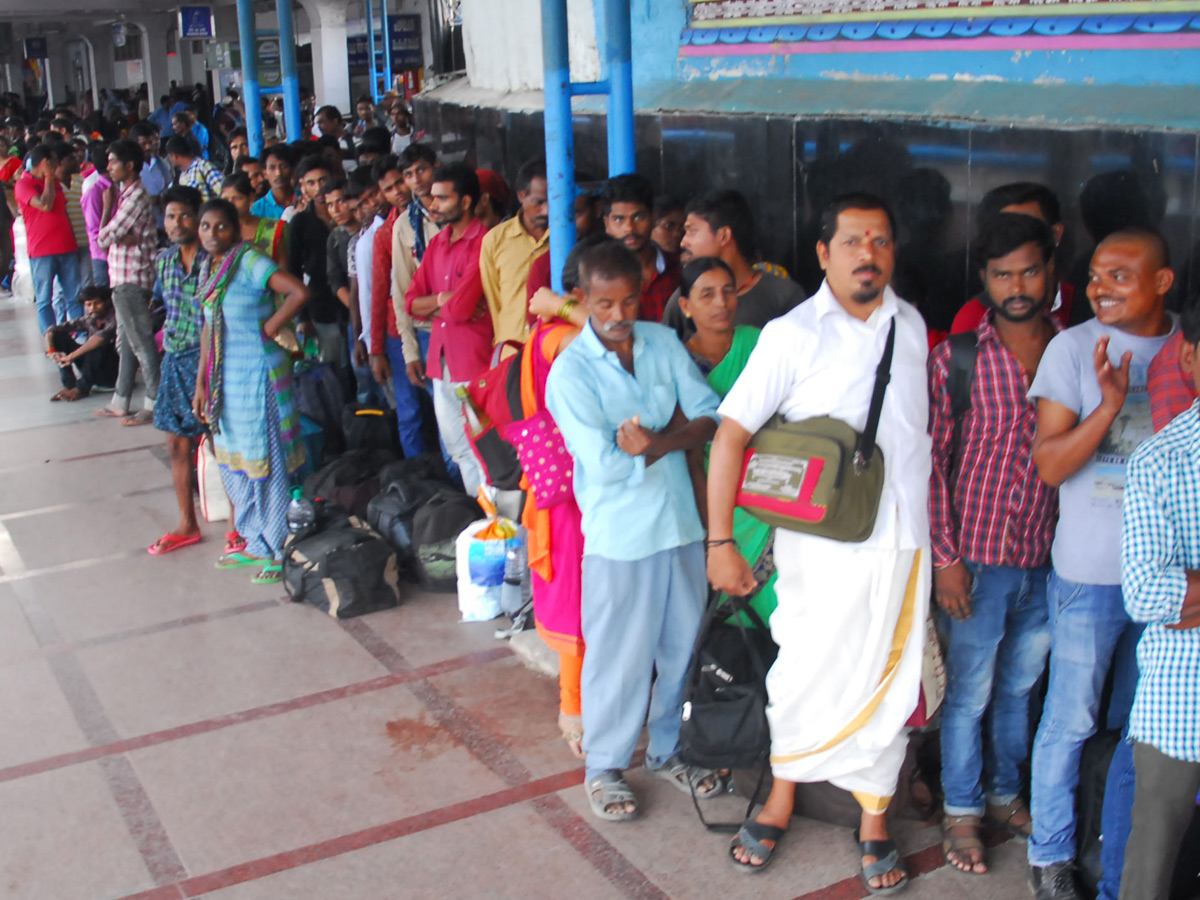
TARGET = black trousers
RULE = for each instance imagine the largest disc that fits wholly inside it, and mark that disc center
(1164, 803)
(97, 366)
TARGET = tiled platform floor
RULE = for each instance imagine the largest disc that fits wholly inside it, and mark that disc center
(169, 731)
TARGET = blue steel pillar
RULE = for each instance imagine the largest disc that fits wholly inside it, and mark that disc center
(287, 62)
(560, 139)
(618, 46)
(250, 92)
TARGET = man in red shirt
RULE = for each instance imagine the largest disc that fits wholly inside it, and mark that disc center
(447, 290)
(627, 202)
(49, 237)
(991, 526)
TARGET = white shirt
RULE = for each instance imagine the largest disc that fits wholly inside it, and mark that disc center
(362, 259)
(818, 360)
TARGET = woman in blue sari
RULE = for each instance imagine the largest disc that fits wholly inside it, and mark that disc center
(244, 391)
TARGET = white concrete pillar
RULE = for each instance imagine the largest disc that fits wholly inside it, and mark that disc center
(331, 66)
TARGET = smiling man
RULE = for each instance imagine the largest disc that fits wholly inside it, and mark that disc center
(629, 402)
(1093, 412)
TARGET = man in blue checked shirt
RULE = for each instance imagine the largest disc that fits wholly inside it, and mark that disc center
(1160, 575)
(629, 401)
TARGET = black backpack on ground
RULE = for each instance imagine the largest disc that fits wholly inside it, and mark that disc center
(320, 396)
(350, 480)
(370, 428)
(436, 527)
(725, 694)
(341, 567)
(426, 467)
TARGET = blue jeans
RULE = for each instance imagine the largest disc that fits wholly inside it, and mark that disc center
(408, 401)
(367, 389)
(1115, 819)
(1090, 633)
(100, 272)
(45, 269)
(993, 661)
(640, 619)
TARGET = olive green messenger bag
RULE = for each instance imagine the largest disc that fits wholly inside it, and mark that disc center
(819, 476)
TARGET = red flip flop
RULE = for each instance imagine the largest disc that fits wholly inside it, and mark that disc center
(169, 542)
(234, 542)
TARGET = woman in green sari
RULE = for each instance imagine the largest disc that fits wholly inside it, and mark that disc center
(708, 296)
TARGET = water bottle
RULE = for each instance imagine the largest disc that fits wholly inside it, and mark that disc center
(301, 513)
(511, 600)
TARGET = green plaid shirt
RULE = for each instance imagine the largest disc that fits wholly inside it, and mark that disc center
(176, 290)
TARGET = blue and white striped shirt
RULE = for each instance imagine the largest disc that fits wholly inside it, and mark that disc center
(1160, 542)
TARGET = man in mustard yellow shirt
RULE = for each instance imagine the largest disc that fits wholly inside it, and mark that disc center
(509, 250)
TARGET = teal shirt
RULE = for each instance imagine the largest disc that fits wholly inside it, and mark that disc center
(630, 510)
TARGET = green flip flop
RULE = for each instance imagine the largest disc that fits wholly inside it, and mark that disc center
(271, 574)
(238, 560)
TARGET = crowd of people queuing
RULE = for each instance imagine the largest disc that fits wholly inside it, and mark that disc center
(1052, 517)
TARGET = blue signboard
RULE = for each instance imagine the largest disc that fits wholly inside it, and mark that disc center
(356, 52)
(35, 48)
(405, 37)
(196, 22)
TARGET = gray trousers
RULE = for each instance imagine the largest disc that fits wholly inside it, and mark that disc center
(135, 344)
(1164, 803)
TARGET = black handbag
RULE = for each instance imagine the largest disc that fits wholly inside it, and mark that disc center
(724, 722)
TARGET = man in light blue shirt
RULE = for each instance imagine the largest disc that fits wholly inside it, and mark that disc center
(629, 401)
(156, 174)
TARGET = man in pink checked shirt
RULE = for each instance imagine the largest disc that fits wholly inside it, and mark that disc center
(447, 290)
(128, 232)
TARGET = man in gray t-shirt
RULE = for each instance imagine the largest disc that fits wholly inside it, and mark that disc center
(719, 223)
(1093, 411)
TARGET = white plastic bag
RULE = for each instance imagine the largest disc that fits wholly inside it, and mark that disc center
(479, 563)
(214, 502)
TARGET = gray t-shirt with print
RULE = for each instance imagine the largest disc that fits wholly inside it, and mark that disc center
(1087, 542)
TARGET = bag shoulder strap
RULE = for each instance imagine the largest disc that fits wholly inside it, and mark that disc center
(964, 351)
(883, 374)
(550, 344)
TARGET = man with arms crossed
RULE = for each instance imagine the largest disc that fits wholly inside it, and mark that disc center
(629, 402)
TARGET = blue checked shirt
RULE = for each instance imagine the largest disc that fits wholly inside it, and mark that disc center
(176, 290)
(1160, 543)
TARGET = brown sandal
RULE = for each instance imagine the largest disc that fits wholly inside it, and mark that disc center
(1002, 817)
(960, 835)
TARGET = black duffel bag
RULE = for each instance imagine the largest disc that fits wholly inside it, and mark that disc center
(725, 694)
(342, 567)
(349, 480)
(392, 512)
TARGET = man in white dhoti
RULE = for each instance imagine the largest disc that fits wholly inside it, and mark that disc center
(850, 621)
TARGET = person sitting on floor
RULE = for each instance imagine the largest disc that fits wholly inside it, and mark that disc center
(96, 358)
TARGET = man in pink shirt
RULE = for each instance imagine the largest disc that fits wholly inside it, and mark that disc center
(49, 238)
(92, 202)
(447, 291)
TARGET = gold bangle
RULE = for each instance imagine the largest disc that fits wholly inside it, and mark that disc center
(569, 304)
